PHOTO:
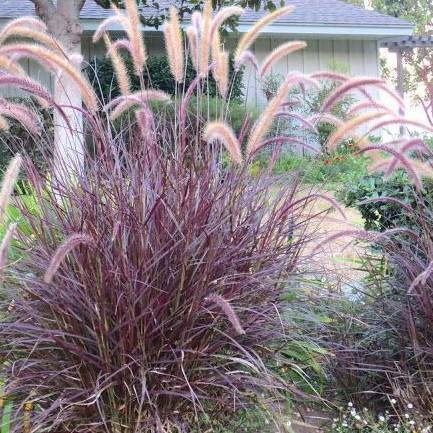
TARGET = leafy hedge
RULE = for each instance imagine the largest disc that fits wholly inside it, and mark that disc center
(157, 76)
(383, 215)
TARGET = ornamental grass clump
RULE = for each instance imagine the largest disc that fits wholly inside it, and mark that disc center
(147, 296)
(148, 291)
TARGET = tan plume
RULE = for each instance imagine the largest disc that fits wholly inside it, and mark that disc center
(280, 52)
(119, 67)
(29, 22)
(192, 36)
(5, 245)
(248, 39)
(205, 39)
(134, 32)
(8, 184)
(264, 122)
(174, 45)
(63, 250)
(350, 127)
(219, 131)
(56, 63)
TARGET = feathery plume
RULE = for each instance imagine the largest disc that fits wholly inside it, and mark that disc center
(29, 22)
(228, 310)
(7, 65)
(138, 49)
(205, 41)
(348, 86)
(422, 278)
(54, 62)
(222, 15)
(263, 123)
(119, 18)
(196, 21)
(28, 85)
(350, 126)
(300, 118)
(366, 105)
(396, 120)
(174, 45)
(404, 162)
(220, 61)
(8, 184)
(326, 118)
(280, 52)
(35, 35)
(62, 251)
(247, 57)
(219, 131)
(145, 121)
(192, 36)
(248, 39)
(121, 44)
(329, 75)
(24, 115)
(141, 98)
(119, 67)
(5, 245)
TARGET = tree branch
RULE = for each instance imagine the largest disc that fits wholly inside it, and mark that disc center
(80, 4)
(44, 5)
(44, 8)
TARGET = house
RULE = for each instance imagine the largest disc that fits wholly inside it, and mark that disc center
(336, 32)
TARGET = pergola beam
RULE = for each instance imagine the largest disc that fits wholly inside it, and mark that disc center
(407, 43)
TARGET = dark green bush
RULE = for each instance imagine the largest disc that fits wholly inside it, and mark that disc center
(157, 76)
(19, 140)
(383, 215)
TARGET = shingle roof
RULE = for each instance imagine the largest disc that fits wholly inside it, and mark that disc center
(307, 12)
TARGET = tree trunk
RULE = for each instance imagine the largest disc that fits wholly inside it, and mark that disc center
(63, 22)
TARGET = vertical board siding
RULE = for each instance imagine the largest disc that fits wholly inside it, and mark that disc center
(311, 56)
(360, 57)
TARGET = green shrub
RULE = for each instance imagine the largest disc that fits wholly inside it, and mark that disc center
(157, 76)
(19, 140)
(340, 167)
(383, 215)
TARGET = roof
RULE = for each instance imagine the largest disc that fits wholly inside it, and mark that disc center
(307, 13)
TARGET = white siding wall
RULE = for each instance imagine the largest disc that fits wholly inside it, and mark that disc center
(360, 57)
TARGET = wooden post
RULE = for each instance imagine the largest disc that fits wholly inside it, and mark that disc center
(400, 81)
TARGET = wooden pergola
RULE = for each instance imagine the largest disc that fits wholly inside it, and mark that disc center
(401, 44)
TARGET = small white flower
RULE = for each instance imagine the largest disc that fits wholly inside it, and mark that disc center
(406, 415)
(289, 423)
(335, 420)
(350, 404)
(393, 401)
(410, 406)
(381, 418)
(353, 412)
(412, 422)
(357, 417)
(344, 424)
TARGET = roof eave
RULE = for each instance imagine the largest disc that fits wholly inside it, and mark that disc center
(337, 30)
(326, 30)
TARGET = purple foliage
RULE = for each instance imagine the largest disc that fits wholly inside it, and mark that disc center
(165, 276)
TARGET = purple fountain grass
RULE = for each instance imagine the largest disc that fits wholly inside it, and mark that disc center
(176, 297)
